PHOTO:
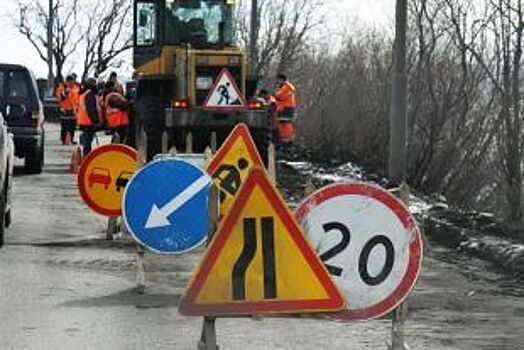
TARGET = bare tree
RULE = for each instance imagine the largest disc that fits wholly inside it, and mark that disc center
(107, 34)
(100, 29)
(32, 19)
(501, 59)
(284, 30)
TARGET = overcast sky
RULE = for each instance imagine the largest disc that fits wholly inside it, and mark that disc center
(15, 49)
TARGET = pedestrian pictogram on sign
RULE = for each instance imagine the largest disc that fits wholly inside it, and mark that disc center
(165, 206)
(259, 262)
(368, 241)
(103, 175)
(225, 94)
(232, 164)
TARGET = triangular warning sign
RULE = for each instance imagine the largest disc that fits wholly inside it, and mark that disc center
(225, 93)
(232, 164)
(260, 262)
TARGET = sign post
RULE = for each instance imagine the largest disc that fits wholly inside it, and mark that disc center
(232, 164)
(167, 216)
(368, 241)
(104, 175)
(259, 262)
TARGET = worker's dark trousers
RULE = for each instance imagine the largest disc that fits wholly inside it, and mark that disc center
(122, 131)
(68, 124)
(86, 139)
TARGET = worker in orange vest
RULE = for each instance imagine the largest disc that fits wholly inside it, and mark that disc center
(116, 110)
(271, 103)
(286, 109)
(89, 116)
(68, 93)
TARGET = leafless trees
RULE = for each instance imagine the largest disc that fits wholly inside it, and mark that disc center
(285, 27)
(33, 20)
(97, 28)
(106, 34)
(465, 121)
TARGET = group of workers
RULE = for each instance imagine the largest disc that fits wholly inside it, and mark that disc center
(92, 106)
(282, 106)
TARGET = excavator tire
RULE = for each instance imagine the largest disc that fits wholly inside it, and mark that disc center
(151, 117)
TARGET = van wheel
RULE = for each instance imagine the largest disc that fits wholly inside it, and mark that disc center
(34, 160)
(152, 118)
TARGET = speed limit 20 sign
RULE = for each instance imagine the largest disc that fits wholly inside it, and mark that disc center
(369, 243)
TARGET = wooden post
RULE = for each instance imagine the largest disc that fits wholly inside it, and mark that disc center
(214, 142)
(310, 187)
(208, 339)
(208, 156)
(112, 228)
(139, 250)
(271, 164)
(112, 222)
(189, 143)
(165, 142)
(398, 341)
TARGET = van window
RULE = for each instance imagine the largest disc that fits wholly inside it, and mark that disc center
(18, 85)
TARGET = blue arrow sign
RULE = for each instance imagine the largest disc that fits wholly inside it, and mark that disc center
(165, 206)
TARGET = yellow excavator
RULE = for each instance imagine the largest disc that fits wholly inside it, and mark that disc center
(181, 50)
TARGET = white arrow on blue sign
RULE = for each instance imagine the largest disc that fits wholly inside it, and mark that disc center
(166, 206)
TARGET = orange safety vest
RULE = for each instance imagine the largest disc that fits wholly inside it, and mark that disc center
(285, 96)
(70, 102)
(82, 117)
(115, 117)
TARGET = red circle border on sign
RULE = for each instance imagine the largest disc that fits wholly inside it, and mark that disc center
(126, 150)
(415, 247)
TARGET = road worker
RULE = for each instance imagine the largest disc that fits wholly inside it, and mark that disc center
(89, 117)
(286, 109)
(116, 111)
(114, 78)
(68, 93)
(271, 103)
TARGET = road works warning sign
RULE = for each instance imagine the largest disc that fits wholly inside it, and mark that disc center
(103, 177)
(225, 94)
(259, 262)
(232, 164)
(368, 241)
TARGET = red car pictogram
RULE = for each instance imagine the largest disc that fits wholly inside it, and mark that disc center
(100, 176)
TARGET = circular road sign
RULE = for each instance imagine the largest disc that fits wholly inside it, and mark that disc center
(166, 206)
(369, 243)
(103, 176)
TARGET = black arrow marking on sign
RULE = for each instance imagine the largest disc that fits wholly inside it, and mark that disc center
(243, 262)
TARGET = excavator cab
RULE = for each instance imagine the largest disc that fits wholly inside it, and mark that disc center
(181, 47)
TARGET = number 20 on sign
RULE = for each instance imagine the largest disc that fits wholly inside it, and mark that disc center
(368, 241)
(260, 262)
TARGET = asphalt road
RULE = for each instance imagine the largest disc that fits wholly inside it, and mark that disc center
(63, 286)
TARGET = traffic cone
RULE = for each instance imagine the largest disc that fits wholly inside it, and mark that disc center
(76, 160)
(68, 141)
